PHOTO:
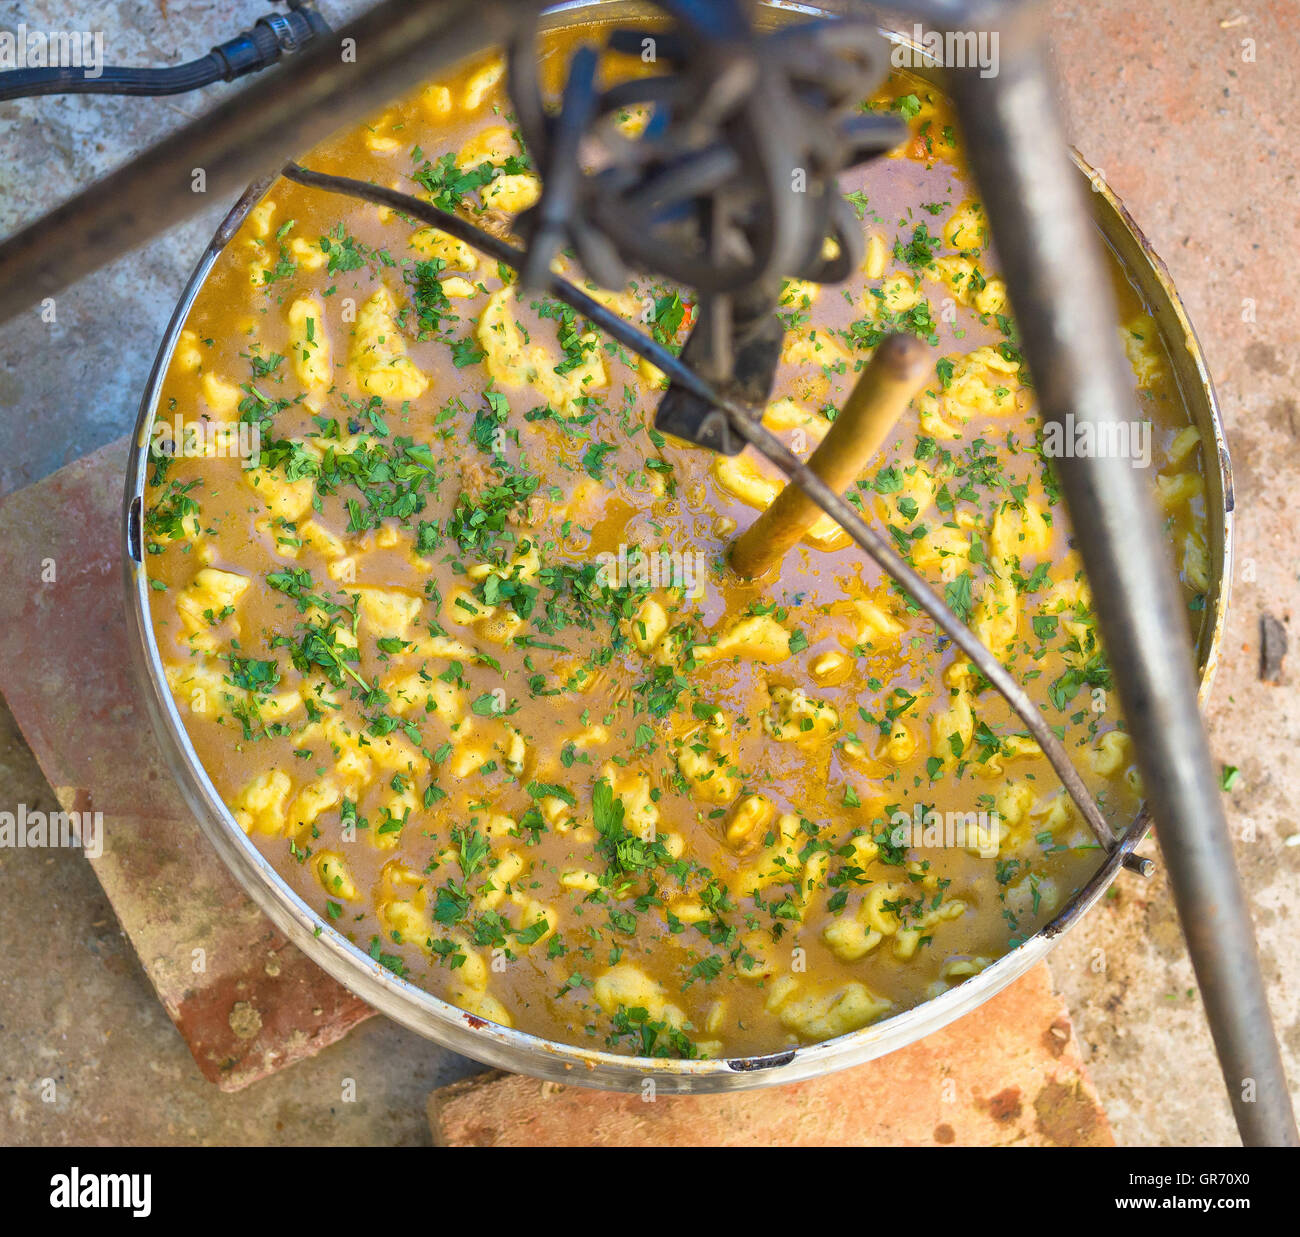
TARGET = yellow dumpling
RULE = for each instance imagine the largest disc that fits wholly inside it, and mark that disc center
(309, 345)
(455, 254)
(1142, 345)
(626, 986)
(512, 362)
(952, 729)
(796, 717)
(823, 1015)
(378, 359)
(982, 383)
(966, 227)
(996, 617)
(260, 806)
(513, 192)
(757, 638)
(334, 875)
(745, 478)
(286, 500)
(1018, 531)
(388, 612)
(313, 799)
(221, 397)
(481, 84)
(204, 602)
(709, 772)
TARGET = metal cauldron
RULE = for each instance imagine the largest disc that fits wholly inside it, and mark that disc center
(523, 1053)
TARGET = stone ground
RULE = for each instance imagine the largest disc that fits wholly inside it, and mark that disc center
(1183, 104)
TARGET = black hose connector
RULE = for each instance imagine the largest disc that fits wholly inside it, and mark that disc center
(273, 36)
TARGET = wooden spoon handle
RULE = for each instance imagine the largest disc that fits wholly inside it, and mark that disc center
(900, 364)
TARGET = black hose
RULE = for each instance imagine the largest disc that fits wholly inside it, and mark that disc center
(254, 49)
(23, 83)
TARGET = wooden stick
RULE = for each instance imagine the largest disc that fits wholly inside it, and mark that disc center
(883, 390)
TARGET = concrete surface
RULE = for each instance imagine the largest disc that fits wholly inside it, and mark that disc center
(1186, 106)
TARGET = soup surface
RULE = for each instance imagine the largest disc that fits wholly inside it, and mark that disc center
(460, 649)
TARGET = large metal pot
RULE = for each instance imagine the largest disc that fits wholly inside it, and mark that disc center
(514, 1050)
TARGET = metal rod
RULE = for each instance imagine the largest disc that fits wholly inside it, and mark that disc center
(339, 78)
(879, 397)
(1066, 310)
(747, 422)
